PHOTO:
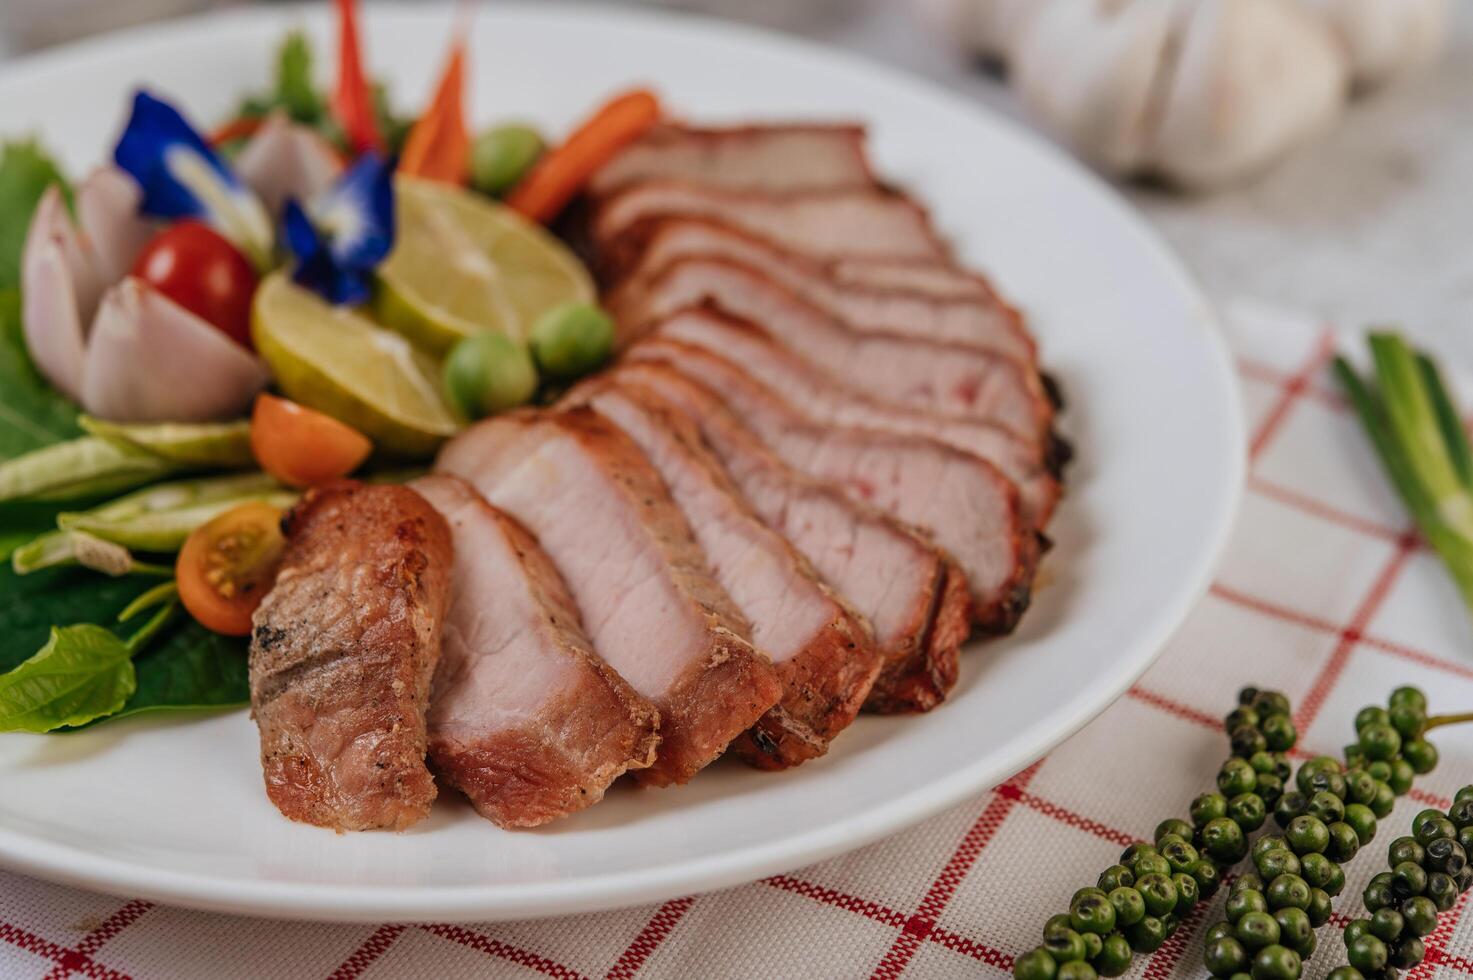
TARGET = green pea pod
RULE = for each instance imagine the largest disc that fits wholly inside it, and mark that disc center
(218, 445)
(164, 530)
(186, 493)
(79, 468)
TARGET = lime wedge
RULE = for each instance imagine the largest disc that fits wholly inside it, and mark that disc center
(463, 263)
(337, 361)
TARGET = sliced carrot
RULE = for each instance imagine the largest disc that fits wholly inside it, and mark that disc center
(237, 129)
(352, 102)
(558, 177)
(439, 145)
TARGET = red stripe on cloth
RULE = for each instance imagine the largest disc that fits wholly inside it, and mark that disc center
(1169, 706)
(505, 951)
(1418, 656)
(919, 925)
(1076, 820)
(1322, 510)
(68, 961)
(655, 932)
(1258, 371)
(838, 899)
(970, 947)
(1294, 388)
(376, 945)
(93, 941)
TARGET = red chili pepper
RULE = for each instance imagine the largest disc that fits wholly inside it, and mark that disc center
(439, 145)
(352, 103)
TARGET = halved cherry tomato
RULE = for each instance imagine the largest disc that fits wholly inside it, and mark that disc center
(200, 269)
(302, 447)
(227, 566)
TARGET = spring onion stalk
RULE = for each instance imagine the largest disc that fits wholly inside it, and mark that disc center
(1416, 431)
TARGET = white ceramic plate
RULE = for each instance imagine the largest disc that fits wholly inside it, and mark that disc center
(174, 810)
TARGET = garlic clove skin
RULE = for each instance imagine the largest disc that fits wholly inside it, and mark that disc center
(1251, 80)
(1088, 70)
(151, 360)
(60, 290)
(1382, 39)
(988, 27)
(284, 160)
(107, 209)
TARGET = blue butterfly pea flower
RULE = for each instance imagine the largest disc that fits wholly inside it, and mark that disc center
(181, 176)
(342, 236)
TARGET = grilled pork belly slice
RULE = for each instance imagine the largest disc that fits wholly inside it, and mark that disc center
(874, 297)
(962, 501)
(825, 400)
(948, 379)
(652, 610)
(914, 597)
(342, 653)
(780, 158)
(524, 717)
(825, 656)
(867, 223)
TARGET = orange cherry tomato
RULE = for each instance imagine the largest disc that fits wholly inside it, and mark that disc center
(302, 447)
(227, 566)
(200, 269)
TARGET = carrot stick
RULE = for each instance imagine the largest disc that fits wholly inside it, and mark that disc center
(559, 176)
(237, 129)
(352, 102)
(439, 145)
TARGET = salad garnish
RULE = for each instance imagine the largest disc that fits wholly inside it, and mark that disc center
(341, 237)
(181, 176)
(353, 102)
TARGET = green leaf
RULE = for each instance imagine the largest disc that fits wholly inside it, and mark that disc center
(190, 668)
(32, 413)
(25, 172)
(82, 673)
(31, 604)
(294, 91)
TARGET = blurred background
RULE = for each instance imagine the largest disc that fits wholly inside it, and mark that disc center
(1369, 222)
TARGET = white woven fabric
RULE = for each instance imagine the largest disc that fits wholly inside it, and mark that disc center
(1324, 594)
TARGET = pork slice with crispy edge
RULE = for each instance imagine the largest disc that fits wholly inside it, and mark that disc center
(647, 602)
(824, 654)
(342, 654)
(913, 595)
(525, 719)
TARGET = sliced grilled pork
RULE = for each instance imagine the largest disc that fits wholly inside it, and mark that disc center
(652, 610)
(781, 158)
(824, 655)
(342, 653)
(825, 225)
(962, 501)
(934, 376)
(875, 297)
(524, 717)
(824, 400)
(914, 597)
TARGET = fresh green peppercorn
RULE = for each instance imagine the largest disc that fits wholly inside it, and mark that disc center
(1247, 881)
(1225, 956)
(1130, 907)
(1224, 840)
(1277, 963)
(1147, 935)
(1114, 877)
(1362, 821)
(1378, 895)
(502, 155)
(1319, 908)
(1236, 777)
(1355, 929)
(1327, 781)
(1092, 944)
(1421, 755)
(1336, 884)
(1380, 741)
(1445, 854)
(1367, 953)
(1402, 777)
(1371, 715)
(1186, 892)
(1150, 864)
(1288, 891)
(1384, 802)
(1327, 806)
(1269, 842)
(1076, 970)
(1270, 788)
(1279, 861)
(1264, 763)
(1407, 720)
(1243, 716)
(1466, 793)
(1307, 834)
(1360, 787)
(1241, 903)
(1279, 733)
(488, 373)
(1408, 879)
(1430, 813)
(1114, 956)
(1257, 930)
(1271, 703)
(1311, 768)
(1290, 805)
(1208, 878)
(1355, 758)
(1344, 842)
(1207, 808)
(1461, 813)
(1174, 825)
(1180, 855)
(1443, 890)
(1217, 931)
(1248, 811)
(1036, 964)
(1064, 945)
(1465, 837)
(1420, 914)
(1091, 911)
(1387, 924)
(1295, 930)
(1379, 769)
(1408, 696)
(1129, 856)
(1346, 973)
(1464, 878)
(570, 340)
(1316, 869)
(1245, 740)
(1437, 828)
(1056, 925)
(1159, 893)
(1407, 953)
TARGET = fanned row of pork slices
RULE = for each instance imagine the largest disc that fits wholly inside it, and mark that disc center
(823, 459)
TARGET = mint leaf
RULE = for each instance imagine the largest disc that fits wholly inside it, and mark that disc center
(25, 172)
(82, 673)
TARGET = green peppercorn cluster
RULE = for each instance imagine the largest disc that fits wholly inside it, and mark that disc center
(1324, 820)
(1429, 870)
(1137, 904)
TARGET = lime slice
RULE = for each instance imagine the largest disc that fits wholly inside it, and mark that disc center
(336, 361)
(462, 264)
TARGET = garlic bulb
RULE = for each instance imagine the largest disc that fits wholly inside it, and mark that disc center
(1199, 92)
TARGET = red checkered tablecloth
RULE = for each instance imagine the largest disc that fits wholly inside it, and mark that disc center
(1324, 594)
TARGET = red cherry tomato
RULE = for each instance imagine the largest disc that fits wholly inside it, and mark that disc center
(199, 269)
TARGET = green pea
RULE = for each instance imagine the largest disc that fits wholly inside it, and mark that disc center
(1327, 806)
(1115, 876)
(1277, 963)
(1408, 952)
(1114, 956)
(1173, 826)
(1408, 696)
(1402, 777)
(1236, 777)
(1371, 715)
(1319, 908)
(502, 155)
(1207, 808)
(1147, 935)
(1257, 930)
(1367, 953)
(1091, 911)
(1443, 889)
(1307, 834)
(488, 373)
(1295, 930)
(1225, 956)
(1248, 811)
(570, 340)
(1344, 842)
(1316, 869)
(1362, 820)
(1159, 893)
(1408, 879)
(1064, 945)
(1386, 925)
(1280, 861)
(1288, 891)
(1241, 903)
(1224, 840)
(1420, 915)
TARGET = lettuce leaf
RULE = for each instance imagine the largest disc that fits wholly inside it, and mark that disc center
(26, 170)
